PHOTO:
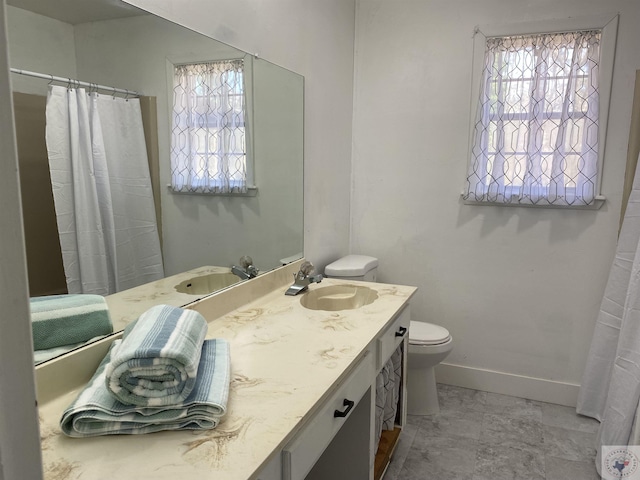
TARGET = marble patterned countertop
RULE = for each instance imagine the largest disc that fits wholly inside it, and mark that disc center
(285, 359)
(126, 306)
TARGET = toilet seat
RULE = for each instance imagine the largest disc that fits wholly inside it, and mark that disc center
(421, 333)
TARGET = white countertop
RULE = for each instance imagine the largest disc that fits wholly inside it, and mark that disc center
(285, 359)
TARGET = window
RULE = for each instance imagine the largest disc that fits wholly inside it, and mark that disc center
(208, 137)
(538, 137)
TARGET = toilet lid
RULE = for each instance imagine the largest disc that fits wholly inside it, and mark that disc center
(351, 266)
(421, 333)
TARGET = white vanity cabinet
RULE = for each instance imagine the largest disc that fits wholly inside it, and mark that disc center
(338, 441)
(302, 394)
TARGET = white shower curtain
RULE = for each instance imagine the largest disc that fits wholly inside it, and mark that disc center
(610, 390)
(102, 191)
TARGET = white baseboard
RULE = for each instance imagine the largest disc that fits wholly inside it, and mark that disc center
(508, 384)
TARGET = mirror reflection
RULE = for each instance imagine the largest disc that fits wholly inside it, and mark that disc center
(200, 236)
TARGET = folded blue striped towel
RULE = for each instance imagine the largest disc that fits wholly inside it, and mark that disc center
(157, 362)
(60, 320)
(96, 412)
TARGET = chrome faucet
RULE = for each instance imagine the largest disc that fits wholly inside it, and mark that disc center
(246, 270)
(302, 279)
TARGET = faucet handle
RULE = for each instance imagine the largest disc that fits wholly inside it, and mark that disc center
(306, 268)
(246, 261)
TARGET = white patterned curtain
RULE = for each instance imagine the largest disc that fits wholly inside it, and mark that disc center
(536, 132)
(208, 152)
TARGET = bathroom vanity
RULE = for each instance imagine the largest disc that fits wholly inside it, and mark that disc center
(301, 401)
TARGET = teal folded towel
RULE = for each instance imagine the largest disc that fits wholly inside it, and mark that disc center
(60, 320)
(157, 362)
(96, 412)
(40, 356)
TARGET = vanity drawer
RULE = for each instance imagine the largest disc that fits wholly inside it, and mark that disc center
(392, 337)
(302, 453)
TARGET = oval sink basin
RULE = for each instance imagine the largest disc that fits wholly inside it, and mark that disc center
(207, 283)
(338, 297)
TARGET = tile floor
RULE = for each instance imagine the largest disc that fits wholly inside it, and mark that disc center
(486, 436)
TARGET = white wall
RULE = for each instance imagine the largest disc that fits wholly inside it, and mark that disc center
(39, 44)
(19, 437)
(313, 38)
(519, 289)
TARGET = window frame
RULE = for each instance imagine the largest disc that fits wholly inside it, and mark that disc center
(608, 24)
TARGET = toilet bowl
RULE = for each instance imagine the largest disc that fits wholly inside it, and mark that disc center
(428, 346)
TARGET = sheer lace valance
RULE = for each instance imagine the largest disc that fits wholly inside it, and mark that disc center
(536, 132)
(208, 150)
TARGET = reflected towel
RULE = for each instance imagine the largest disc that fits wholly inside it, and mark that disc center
(40, 356)
(60, 320)
(96, 412)
(157, 361)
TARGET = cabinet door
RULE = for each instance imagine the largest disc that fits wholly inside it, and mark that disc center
(273, 470)
(302, 453)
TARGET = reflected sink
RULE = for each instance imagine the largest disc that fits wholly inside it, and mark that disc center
(207, 283)
(338, 297)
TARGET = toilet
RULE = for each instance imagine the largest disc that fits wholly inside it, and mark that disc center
(353, 267)
(429, 344)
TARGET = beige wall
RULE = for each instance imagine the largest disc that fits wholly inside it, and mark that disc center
(633, 148)
(44, 257)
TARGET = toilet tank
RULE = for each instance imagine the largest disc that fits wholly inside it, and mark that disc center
(353, 267)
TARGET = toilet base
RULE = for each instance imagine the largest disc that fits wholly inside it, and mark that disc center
(422, 392)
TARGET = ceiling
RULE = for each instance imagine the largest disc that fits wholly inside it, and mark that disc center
(79, 11)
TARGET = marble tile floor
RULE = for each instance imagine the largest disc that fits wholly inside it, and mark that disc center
(486, 436)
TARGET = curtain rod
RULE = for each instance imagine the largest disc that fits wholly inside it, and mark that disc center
(78, 83)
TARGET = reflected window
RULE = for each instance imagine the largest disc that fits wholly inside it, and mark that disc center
(208, 134)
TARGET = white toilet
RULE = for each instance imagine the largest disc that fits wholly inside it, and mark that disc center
(353, 267)
(428, 344)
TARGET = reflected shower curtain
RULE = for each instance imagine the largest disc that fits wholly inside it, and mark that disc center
(610, 390)
(102, 191)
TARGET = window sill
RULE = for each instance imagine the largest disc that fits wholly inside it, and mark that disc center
(597, 204)
(252, 191)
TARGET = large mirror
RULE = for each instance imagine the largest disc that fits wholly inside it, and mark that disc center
(110, 43)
